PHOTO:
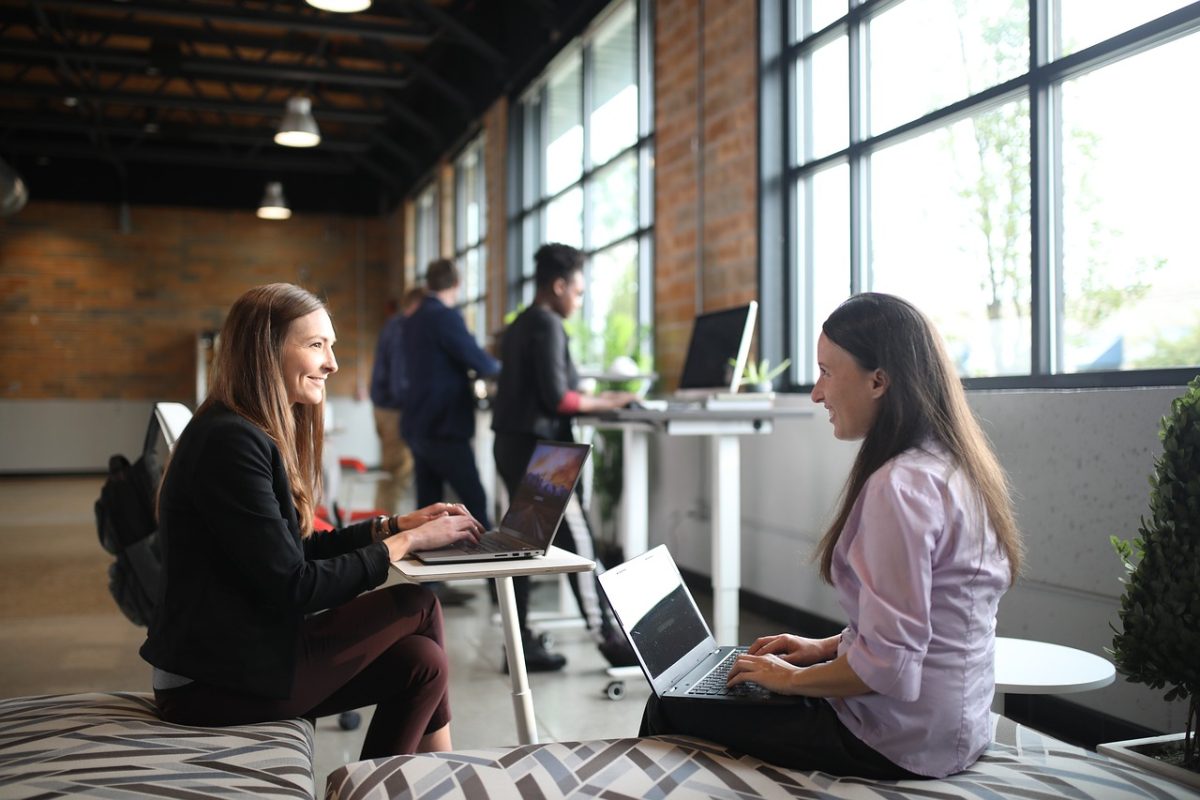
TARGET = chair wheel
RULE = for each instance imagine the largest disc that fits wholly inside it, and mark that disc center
(615, 690)
(349, 720)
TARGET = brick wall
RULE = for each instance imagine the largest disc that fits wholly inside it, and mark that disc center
(93, 313)
(706, 165)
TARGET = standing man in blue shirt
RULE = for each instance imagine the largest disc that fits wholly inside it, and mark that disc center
(439, 404)
(389, 380)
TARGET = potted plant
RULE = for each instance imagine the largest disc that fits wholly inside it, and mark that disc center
(759, 375)
(1158, 643)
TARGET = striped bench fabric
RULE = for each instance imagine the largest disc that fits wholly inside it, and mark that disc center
(1022, 763)
(114, 745)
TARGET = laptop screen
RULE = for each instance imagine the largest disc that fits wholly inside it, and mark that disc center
(655, 609)
(544, 492)
(719, 337)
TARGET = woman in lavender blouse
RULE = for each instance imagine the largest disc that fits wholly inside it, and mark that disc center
(922, 547)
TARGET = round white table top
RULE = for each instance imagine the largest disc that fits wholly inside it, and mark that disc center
(1028, 667)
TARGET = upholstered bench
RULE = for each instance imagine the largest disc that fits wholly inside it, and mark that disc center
(114, 745)
(1022, 763)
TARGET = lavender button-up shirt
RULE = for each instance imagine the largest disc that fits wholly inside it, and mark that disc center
(919, 573)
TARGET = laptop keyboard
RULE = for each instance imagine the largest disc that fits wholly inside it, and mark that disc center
(713, 684)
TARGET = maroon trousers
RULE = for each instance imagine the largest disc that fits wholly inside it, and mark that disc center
(383, 648)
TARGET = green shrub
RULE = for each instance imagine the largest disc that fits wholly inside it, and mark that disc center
(1158, 643)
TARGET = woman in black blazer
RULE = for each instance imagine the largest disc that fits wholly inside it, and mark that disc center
(236, 637)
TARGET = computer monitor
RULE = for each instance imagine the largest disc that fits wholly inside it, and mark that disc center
(718, 337)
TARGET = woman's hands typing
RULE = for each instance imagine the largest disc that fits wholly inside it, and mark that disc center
(789, 664)
(431, 527)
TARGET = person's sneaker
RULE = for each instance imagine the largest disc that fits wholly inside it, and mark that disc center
(449, 596)
(615, 648)
(538, 658)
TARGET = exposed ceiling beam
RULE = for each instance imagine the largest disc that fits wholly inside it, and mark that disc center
(299, 20)
(297, 43)
(461, 32)
(137, 130)
(248, 69)
(182, 157)
(203, 104)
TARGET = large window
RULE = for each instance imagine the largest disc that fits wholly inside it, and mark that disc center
(426, 230)
(582, 151)
(470, 232)
(1022, 170)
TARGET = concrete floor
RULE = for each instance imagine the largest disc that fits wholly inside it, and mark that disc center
(61, 632)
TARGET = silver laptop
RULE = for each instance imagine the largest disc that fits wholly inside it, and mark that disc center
(534, 514)
(672, 641)
(716, 356)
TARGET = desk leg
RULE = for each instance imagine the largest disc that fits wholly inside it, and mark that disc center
(725, 472)
(635, 506)
(515, 653)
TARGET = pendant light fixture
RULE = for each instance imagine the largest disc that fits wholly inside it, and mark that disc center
(298, 127)
(13, 192)
(273, 206)
(340, 6)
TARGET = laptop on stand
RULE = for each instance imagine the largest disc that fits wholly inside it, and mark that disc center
(534, 514)
(673, 643)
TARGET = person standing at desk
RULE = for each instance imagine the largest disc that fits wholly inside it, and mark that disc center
(537, 394)
(236, 636)
(389, 381)
(439, 405)
(923, 546)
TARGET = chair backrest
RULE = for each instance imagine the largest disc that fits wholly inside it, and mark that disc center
(172, 419)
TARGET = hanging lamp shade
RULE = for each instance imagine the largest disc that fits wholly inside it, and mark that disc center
(273, 206)
(340, 6)
(298, 128)
(13, 192)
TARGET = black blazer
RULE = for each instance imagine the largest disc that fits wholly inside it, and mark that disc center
(538, 371)
(238, 578)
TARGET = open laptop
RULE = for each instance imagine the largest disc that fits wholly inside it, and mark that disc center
(716, 357)
(534, 513)
(673, 643)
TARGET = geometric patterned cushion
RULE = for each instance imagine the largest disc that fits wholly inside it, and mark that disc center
(114, 745)
(1021, 763)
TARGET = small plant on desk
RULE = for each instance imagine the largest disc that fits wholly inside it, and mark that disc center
(759, 375)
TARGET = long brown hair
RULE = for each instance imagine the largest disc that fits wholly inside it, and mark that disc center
(248, 379)
(924, 400)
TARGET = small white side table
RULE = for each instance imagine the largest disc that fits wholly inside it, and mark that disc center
(1024, 666)
(556, 560)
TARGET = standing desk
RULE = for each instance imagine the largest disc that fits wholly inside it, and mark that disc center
(555, 560)
(723, 428)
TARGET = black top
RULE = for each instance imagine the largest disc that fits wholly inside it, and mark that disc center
(238, 578)
(538, 371)
(438, 353)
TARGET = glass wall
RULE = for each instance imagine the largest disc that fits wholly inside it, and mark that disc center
(470, 236)
(425, 239)
(1021, 170)
(581, 144)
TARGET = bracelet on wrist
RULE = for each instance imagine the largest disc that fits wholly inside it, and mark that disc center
(393, 525)
(378, 528)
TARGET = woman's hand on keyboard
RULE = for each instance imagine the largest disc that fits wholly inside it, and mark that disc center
(770, 672)
(793, 649)
(438, 532)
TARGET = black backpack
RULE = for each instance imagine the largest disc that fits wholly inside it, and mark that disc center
(127, 526)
